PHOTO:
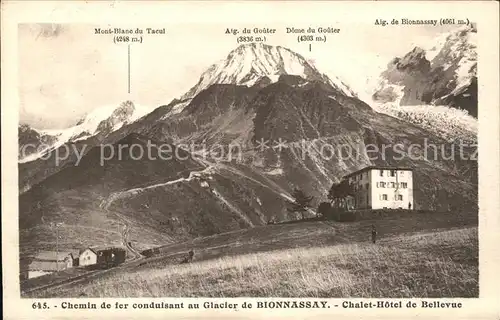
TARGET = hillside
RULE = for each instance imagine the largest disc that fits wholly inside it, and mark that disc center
(75, 195)
(146, 196)
(314, 122)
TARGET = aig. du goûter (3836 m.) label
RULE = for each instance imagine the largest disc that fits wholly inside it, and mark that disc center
(256, 34)
(129, 35)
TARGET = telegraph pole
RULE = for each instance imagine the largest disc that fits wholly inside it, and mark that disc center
(57, 225)
(57, 248)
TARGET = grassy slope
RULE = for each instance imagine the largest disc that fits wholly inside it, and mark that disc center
(312, 233)
(403, 266)
(421, 256)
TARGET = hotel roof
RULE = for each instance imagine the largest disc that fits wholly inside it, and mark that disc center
(377, 168)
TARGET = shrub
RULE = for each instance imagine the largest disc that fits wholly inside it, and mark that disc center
(324, 209)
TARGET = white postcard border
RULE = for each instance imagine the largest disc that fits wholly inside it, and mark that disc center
(485, 13)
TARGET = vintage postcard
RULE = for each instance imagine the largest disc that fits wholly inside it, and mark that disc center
(250, 159)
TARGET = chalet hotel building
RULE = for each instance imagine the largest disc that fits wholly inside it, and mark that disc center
(381, 188)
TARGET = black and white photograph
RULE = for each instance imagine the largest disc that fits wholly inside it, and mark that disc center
(281, 160)
(267, 177)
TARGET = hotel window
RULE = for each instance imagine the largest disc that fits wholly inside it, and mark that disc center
(367, 186)
(393, 173)
(384, 197)
(382, 184)
(400, 197)
(404, 185)
(381, 173)
(393, 185)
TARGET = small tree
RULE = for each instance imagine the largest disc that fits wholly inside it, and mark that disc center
(339, 192)
(301, 202)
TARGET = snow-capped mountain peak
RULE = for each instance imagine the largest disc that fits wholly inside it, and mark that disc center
(434, 85)
(103, 120)
(443, 72)
(249, 63)
(460, 51)
(100, 121)
(462, 37)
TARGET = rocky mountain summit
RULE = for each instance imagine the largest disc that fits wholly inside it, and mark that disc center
(443, 74)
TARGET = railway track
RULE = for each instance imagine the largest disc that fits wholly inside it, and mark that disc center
(135, 257)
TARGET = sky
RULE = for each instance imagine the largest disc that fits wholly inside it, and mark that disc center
(66, 70)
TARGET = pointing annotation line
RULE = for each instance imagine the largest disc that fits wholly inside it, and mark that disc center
(129, 68)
